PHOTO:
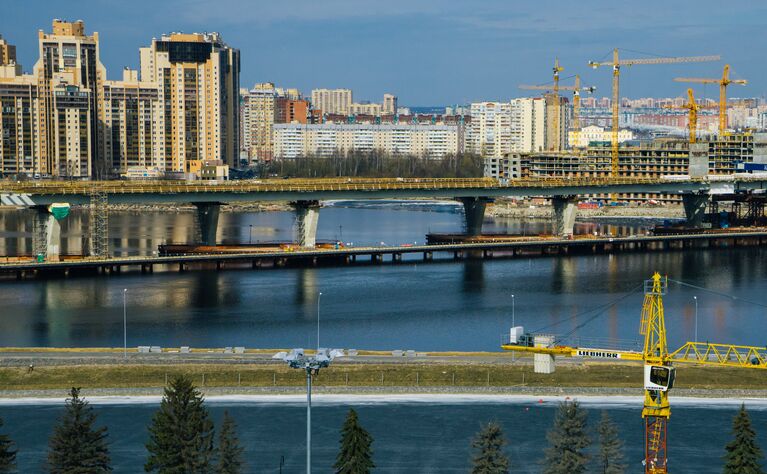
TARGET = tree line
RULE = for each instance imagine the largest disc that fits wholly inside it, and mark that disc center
(372, 164)
(182, 440)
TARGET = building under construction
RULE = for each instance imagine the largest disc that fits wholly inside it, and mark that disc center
(641, 159)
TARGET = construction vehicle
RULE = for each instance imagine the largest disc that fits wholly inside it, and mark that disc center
(723, 82)
(659, 371)
(555, 88)
(616, 64)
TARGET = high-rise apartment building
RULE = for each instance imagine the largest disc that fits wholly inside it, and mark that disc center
(288, 110)
(332, 101)
(7, 52)
(132, 134)
(69, 69)
(528, 124)
(198, 79)
(490, 129)
(389, 104)
(259, 113)
(67, 120)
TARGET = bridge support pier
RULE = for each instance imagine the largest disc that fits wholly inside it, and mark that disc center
(474, 212)
(695, 208)
(207, 220)
(46, 240)
(564, 211)
(307, 218)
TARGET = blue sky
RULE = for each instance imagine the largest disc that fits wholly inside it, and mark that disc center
(428, 52)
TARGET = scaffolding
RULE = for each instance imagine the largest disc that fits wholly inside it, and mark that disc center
(99, 223)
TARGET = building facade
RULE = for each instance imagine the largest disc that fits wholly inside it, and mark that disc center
(332, 101)
(432, 141)
(7, 52)
(67, 120)
(198, 81)
(592, 134)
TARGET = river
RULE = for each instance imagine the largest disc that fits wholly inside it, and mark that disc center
(421, 435)
(447, 305)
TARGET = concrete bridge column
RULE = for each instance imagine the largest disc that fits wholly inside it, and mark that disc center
(564, 210)
(207, 220)
(474, 212)
(695, 208)
(46, 240)
(307, 218)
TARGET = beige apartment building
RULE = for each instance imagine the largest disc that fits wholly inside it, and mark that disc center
(593, 133)
(198, 83)
(332, 101)
(67, 120)
(7, 52)
(258, 120)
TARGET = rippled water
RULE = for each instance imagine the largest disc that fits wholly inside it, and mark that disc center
(425, 437)
(449, 305)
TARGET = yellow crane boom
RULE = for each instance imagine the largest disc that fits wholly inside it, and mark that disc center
(659, 372)
(723, 82)
(616, 64)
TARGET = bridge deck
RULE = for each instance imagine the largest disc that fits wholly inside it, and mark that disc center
(558, 245)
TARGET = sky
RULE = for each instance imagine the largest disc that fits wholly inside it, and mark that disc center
(429, 52)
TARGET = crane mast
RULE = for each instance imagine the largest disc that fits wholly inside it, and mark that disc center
(692, 108)
(658, 376)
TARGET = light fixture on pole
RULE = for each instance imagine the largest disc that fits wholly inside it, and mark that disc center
(513, 323)
(125, 323)
(318, 320)
(250, 235)
(297, 359)
(696, 317)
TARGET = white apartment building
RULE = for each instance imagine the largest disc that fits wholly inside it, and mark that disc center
(490, 130)
(433, 141)
(332, 101)
(594, 133)
(528, 124)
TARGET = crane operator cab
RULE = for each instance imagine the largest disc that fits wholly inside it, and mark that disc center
(659, 377)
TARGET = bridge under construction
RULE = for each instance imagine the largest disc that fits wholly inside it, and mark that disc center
(306, 195)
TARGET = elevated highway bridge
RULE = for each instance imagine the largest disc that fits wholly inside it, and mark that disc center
(306, 194)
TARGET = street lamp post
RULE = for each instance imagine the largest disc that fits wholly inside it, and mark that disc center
(513, 323)
(512, 311)
(696, 317)
(296, 359)
(250, 235)
(318, 320)
(125, 324)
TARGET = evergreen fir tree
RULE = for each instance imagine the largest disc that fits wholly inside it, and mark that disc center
(743, 454)
(7, 453)
(355, 455)
(610, 447)
(488, 451)
(229, 449)
(567, 441)
(181, 433)
(76, 445)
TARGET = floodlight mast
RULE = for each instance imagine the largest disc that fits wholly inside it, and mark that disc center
(296, 359)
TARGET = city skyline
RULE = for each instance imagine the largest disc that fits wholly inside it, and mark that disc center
(424, 53)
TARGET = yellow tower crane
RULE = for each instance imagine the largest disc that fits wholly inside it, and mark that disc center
(692, 107)
(616, 64)
(555, 91)
(577, 89)
(723, 82)
(659, 372)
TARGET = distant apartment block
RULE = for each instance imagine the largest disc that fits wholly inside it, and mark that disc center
(430, 141)
(594, 134)
(262, 107)
(332, 101)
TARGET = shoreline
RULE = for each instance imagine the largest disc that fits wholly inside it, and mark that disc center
(394, 395)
